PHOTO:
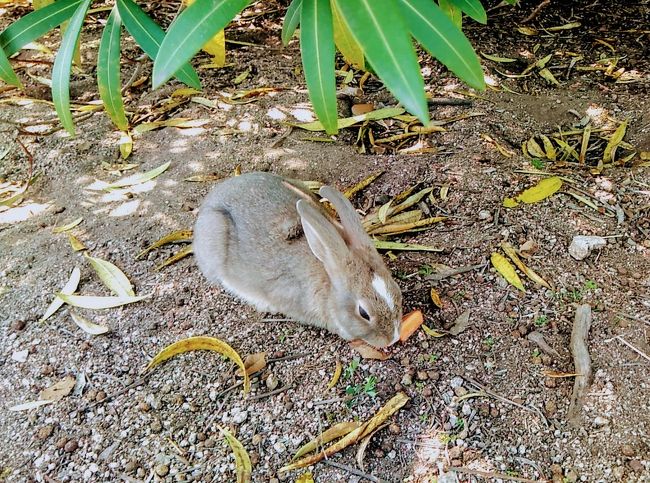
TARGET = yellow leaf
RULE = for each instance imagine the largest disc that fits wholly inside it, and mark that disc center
(253, 363)
(200, 343)
(397, 228)
(614, 141)
(541, 191)
(335, 376)
(337, 431)
(409, 247)
(527, 30)
(548, 76)
(586, 134)
(69, 226)
(495, 58)
(138, 178)
(505, 268)
(216, 47)
(510, 203)
(96, 303)
(534, 149)
(88, 326)
(179, 236)
(344, 40)
(383, 212)
(435, 298)
(68, 289)
(243, 466)
(180, 254)
(75, 243)
(306, 477)
(549, 149)
(390, 408)
(112, 277)
(432, 333)
(126, 145)
(529, 272)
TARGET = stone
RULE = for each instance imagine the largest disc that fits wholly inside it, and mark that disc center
(582, 245)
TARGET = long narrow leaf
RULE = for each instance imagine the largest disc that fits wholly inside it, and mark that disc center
(345, 41)
(108, 70)
(317, 52)
(472, 8)
(7, 74)
(149, 35)
(438, 35)
(189, 32)
(291, 21)
(36, 24)
(63, 65)
(383, 35)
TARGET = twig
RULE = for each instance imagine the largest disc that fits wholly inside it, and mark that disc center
(322, 402)
(536, 11)
(501, 398)
(271, 393)
(581, 360)
(353, 471)
(277, 142)
(491, 475)
(633, 317)
(642, 354)
(110, 397)
(448, 101)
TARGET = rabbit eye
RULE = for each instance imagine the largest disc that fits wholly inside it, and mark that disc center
(363, 313)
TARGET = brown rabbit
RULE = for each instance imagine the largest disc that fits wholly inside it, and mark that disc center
(267, 240)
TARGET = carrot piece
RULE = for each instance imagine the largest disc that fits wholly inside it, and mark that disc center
(410, 323)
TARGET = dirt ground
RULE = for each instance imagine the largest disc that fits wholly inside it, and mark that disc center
(482, 405)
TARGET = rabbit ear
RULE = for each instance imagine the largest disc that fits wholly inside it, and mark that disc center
(350, 220)
(323, 239)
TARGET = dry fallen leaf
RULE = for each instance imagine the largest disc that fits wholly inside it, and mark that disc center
(461, 323)
(88, 326)
(179, 236)
(179, 255)
(306, 477)
(529, 272)
(96, 303)
(432, 333)
(410, 323)
(243, 466)
(68, 289)
(200, 343)
(336, 375)
(435, 298)
(69, 226)
(337, 431)
(30, 405)
(253, 363)
(505, 268)
(390, 408)
(559, 374)
(542, 190)
(59, 390)
(367, 351)
(112, 277)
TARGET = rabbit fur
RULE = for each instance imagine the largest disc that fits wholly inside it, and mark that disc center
(269, 241)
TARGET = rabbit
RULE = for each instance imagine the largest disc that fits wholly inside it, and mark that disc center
(269, 241)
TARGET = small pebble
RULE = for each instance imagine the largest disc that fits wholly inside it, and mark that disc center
(600, 421)
(636, 465)
(45, 432)
(209, 443)
(156, 426)
(394, 428)
(272, 382)
(427, 392)
(460, 391)
(18, 325)
(627, 450)
(257, 439)
(407, 380)
(422, 376)
(162, 470)
(131, 466)
(279, 447)
(60, 444)
(71, 446)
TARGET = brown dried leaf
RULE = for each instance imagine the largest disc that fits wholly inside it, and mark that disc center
(367, 351)
(337, 431)
(253, 363)
(410, 323)
(435, 298)
(59, 390)
(461, 323)
(178, 236)
(390, 408)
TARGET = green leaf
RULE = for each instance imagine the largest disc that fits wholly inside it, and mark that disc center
(189, 32)
(149, 36)
(7, 74)
(291, 21)
(345, 41)
(453, 12)
(438, 35)
(108, 70)
(63, 65)
(379, 28)
(472, 8)
(317, 52)
(36, 24)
